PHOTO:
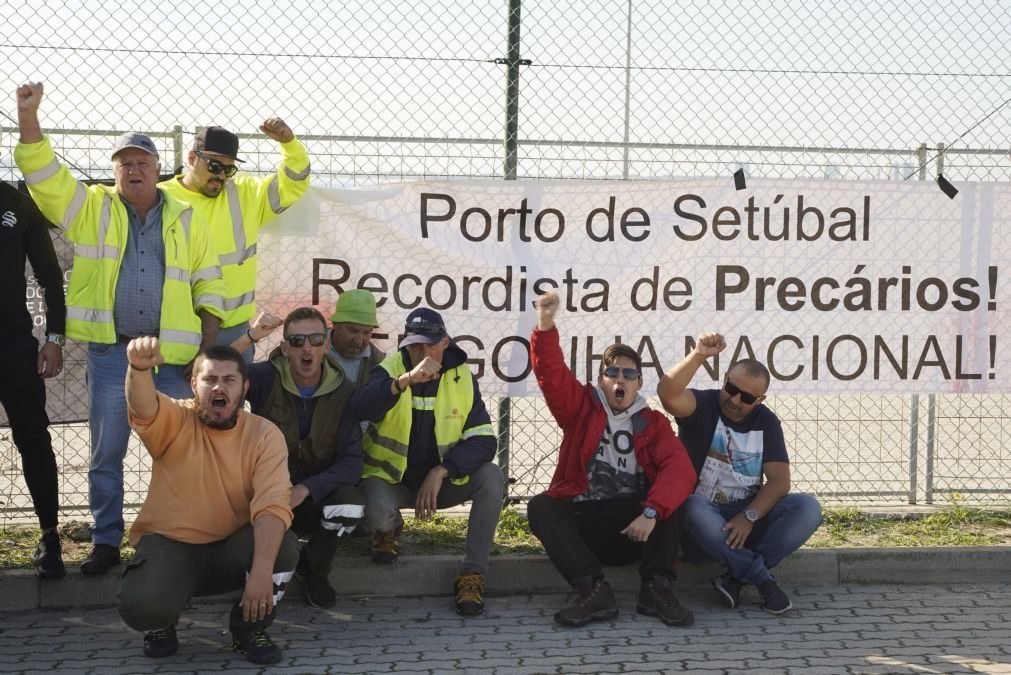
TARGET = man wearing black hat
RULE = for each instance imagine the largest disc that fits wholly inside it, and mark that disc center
(143, 266)
(429, 446)
(235, 207)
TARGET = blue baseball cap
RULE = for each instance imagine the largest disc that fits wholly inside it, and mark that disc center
(134, 140)
(423, 326)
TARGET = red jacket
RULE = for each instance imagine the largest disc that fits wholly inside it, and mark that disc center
(580, 414)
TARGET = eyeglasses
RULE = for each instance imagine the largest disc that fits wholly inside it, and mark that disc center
(216, 167)
(732, 391)
(425, 328)
(629, 373)
(298, 339)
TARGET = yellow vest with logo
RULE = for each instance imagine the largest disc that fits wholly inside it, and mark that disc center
(385, 442)
(235, 218)
(95, 218)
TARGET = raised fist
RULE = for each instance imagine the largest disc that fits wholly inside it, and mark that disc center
(29, 96)
(710, 344)
(277, 130)
(144, 353)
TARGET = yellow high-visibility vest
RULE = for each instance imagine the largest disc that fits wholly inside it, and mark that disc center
(94, 217)
(235, 217)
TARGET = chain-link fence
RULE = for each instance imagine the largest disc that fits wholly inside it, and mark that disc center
(543, 90)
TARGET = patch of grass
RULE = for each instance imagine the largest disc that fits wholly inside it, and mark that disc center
(954, 525)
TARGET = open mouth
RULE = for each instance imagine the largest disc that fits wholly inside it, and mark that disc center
(219, 402)
(619, 394)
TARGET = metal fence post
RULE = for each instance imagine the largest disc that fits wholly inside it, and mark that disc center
(509, 172)
(914, 403)
(177, 147)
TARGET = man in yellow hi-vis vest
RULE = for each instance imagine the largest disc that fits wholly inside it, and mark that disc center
(236, 206)
(429, 446)
(143, 266)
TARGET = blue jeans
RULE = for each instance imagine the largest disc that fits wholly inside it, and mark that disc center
(779, 533)
(110, 433)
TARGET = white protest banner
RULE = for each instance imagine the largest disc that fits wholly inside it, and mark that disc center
(838, 287)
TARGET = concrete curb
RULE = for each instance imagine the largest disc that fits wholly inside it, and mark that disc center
(21, 590)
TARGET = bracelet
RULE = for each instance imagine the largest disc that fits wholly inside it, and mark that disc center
(249, 335)
(139, 370)
(396, 384)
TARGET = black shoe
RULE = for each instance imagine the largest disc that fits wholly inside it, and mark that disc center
(729, 589)
(161, 643)
(588, 601)
(469, 589)
(318, 591)
(101, 558)
(258, 648)
(49, 557)
(774, 600)
(656, 599)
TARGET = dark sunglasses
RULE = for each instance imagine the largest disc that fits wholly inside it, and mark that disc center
(425, 328)
(216, 167)
(298, 339)
(732, 391)
(629, 373)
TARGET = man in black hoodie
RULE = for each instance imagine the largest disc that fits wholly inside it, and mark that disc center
(302, 390)
(429, 446)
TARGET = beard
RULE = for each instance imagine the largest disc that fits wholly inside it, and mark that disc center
(204, 413)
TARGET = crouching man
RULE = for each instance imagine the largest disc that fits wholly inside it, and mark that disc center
(217, 509)
(620, 477)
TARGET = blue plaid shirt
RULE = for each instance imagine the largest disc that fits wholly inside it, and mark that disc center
(141, 274)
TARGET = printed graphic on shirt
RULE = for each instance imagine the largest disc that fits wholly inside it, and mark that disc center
(8, 219)
(613, 470)
(733, 466)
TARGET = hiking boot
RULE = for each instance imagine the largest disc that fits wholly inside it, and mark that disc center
(49, 557)
(729, 589)
(588, 601)
(318, 591)
(161, 643)
(469, 589)
(774, 600)
(656, 599)
(257, 647)
(101, 558)
(384, 547)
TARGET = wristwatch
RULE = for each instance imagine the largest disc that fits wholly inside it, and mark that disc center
(56, 338)
(751, 515)
(649, 512)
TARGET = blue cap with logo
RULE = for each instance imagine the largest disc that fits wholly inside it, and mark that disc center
(423, 326)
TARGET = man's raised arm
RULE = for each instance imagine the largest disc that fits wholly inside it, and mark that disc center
(673, 390)
(142, 354)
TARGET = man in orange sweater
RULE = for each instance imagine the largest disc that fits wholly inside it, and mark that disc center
(217, 509)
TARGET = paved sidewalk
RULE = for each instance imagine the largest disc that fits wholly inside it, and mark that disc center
(835, 629)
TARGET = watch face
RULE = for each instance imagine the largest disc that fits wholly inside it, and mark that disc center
(649, 512)
(751, 515)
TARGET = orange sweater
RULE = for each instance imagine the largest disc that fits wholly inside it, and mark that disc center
(207, 483)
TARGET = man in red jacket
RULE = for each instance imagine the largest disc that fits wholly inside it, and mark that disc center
(621, 475)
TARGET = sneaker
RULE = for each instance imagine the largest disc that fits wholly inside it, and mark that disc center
(469, 589)
(49, 557)
(101, 558)
(774, 600)
(729, 589)
(656, 599)
(384, 547)
(161, 643)
(588, 602)
(318, 591)
(258, 648)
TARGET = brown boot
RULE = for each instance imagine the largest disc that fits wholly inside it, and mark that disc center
(589, 601)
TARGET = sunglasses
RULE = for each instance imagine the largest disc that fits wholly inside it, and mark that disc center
(732, 391)
(425, 328)
(629, 373)
(216, 167)
(298, 339)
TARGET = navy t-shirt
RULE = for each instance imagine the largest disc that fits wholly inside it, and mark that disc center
(728, 455)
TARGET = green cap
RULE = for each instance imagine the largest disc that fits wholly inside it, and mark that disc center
(355, 306)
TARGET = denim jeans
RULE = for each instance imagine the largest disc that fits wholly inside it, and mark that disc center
(779, 533)
(110, 433)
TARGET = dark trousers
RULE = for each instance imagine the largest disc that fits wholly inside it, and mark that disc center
(166, 574)
(325, 522)
(579, 537)
(23, 396)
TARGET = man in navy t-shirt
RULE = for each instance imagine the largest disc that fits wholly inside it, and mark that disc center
(734, 441)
